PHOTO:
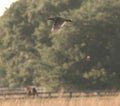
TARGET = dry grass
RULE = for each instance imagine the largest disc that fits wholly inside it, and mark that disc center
(82, 101)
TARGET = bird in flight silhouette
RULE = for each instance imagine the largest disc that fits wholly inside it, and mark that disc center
(58, 23)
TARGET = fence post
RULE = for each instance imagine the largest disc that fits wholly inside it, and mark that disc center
(70, 95)
(49, 94)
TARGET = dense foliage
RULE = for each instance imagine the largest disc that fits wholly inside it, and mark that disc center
(84, 55)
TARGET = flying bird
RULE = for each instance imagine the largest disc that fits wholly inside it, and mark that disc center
(58, 23)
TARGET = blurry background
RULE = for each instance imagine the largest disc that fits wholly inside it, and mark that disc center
(84, 55)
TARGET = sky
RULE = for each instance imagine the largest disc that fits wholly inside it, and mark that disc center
(4, 4)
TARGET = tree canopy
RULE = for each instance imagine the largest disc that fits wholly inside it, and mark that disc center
(85, 54)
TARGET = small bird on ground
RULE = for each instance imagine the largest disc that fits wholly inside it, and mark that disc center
(58, 23)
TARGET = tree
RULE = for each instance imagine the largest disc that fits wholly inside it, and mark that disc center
(32, 55)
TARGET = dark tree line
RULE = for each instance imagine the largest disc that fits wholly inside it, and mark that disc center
(84, 55)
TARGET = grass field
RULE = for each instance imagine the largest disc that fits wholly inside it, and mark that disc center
(82, 101)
